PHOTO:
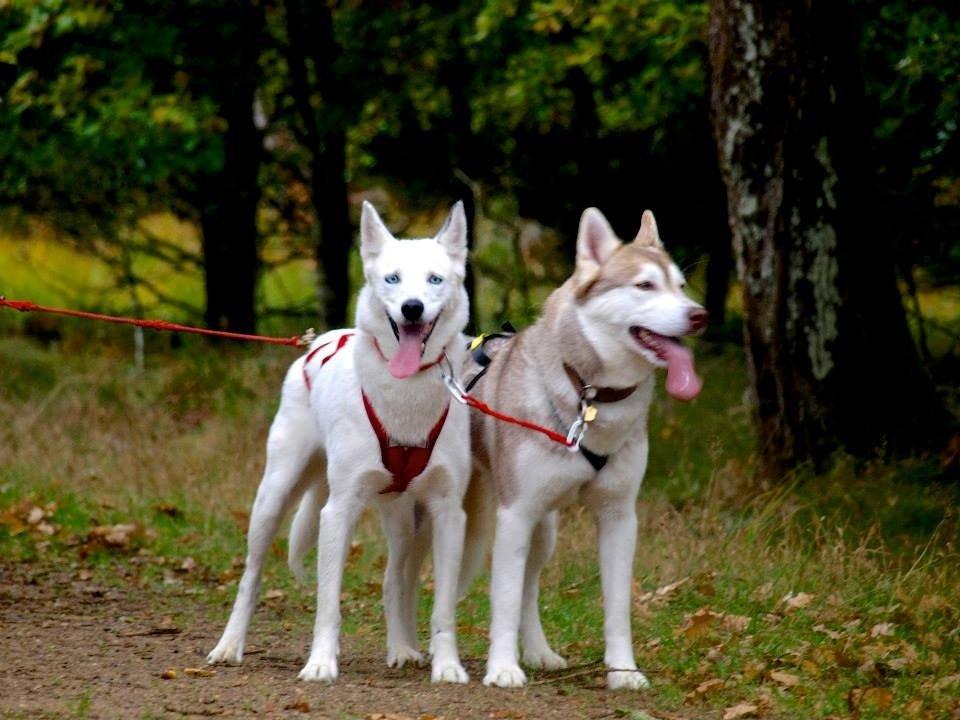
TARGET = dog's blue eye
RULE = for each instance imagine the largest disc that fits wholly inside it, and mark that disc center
(434, 279)
(392, 279)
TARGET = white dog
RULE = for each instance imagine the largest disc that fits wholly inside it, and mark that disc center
(591, 357)
(365, 417)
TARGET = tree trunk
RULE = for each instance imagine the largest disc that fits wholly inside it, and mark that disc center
(228, 200)
(830, 354)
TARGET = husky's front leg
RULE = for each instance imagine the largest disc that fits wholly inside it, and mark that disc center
(449, 523)
(511, 546)
(616, 536)
(337, 519)
(288, 453)
(398, 518)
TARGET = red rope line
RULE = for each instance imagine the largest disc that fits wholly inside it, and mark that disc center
(486, 409)
(27, 306)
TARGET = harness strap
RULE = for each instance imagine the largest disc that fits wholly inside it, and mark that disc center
(340, 343)
(403, 462)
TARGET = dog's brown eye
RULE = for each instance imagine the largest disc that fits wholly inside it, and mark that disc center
(645, 285)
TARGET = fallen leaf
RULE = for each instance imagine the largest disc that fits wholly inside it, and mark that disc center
(275, 594)
(784, 678)
(884, 629)
(735, 623)
(300, 705)
(664, 592)
(169, 674)
(188, 565)
(740, 710)
(698, 624)
(832, 634)
(705, 688)
(199, 672)
(115, 536)
(877, 697)
(947, 680)
(35, 516)
(792, 601)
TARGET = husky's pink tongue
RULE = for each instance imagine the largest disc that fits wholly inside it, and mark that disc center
(406, 360)
(682, 380)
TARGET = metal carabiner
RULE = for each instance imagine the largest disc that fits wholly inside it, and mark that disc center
(575, 434)
(451, 382)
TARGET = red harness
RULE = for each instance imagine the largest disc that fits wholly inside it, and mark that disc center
(403, 462)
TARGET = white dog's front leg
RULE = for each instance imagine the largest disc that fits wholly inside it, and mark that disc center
(397, 515)
(617, 536)
(336, 528)
(449, 522)
(511, 546)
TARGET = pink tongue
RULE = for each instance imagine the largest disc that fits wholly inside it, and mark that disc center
(406, 361)
(682, 380)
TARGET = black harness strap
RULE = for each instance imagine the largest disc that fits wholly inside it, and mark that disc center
(597, 461)
(480, 356)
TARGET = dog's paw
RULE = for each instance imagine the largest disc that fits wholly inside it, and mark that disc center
(401, 656)
(505, 676)
(627, 680)
(227, 652)
(543, 659)
(319, 671)
(450, 671)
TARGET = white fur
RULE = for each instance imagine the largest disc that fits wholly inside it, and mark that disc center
(546, 479)
(322, 449)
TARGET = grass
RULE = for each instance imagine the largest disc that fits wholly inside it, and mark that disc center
(815, 597)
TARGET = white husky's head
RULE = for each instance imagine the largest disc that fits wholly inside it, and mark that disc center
(413, 302)
(636, 293)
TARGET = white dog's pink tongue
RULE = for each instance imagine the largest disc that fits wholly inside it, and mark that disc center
(682, 380)
(406, 361)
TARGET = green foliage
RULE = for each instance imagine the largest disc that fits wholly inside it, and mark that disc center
(99, 119)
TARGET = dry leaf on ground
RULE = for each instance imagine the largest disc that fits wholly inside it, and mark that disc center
(792, 601)
(784, 678)
(740, 710)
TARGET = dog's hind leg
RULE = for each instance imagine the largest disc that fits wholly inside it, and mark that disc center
(536, 649)
(289, 451)
(397, 515)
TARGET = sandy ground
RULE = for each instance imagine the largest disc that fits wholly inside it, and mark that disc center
(72, 648)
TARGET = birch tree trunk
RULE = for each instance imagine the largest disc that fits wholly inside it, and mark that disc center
(831, 358)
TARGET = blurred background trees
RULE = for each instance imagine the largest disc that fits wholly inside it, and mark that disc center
(173, 140)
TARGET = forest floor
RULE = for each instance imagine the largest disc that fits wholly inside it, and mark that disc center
(123, 506)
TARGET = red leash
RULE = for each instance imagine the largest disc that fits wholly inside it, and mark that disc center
(571, 440)
(27, 306)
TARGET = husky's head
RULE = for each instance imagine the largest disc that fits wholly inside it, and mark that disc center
(414, 301)
(636, 293)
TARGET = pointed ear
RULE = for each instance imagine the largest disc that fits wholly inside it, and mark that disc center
(453, 237)
(648, 235)
(373, 233)
(596, 241)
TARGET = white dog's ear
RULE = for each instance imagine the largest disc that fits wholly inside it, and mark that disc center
(373, 233)
(453, 237)
(648, 235)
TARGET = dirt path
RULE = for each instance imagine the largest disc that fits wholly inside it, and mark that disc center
(72, 648)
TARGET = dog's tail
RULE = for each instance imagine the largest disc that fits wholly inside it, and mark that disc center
(303, 530)
(480, 506)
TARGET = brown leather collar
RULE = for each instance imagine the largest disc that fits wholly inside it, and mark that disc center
(603, 394)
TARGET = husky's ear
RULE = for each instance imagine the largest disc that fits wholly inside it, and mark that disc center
(453, 237)
(596, 242)
(648, 235)
(373, 233)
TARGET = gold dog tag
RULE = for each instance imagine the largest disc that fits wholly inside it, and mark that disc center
(590, 414)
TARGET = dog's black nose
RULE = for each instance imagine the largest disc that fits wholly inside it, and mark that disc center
(412, 310)
(698, 319)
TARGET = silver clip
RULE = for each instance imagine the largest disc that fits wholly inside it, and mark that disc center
(452, 384)
(308, 337)
(575, 434)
